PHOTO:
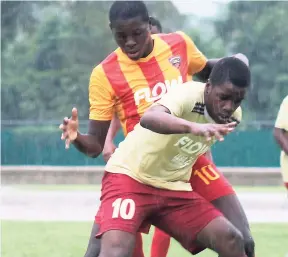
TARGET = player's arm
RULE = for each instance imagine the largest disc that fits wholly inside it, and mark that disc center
(101, 113)
(160, 120)
(281, 137)
(165, 117)
(92, 143)
(198, 64)
(109, 146)
(113, 129)
(281, 126)
(204, 74)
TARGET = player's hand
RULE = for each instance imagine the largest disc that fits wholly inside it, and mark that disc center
(243, 58)
(108, 150)
(69, 128)
(213, 130)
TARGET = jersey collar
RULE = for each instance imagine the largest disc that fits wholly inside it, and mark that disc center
(208, 117)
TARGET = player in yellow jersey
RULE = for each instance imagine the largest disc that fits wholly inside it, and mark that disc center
(128, 81)
(281, 136)
(147, 178)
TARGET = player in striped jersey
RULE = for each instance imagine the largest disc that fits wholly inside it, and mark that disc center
(115, 125)
(281, 136)
(129, 80)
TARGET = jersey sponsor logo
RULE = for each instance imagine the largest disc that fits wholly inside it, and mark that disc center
(175, 61)
(190, 150)
(190, 146)
(157, 92)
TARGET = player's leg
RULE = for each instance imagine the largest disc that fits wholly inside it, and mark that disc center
(125, 205)
(194, 222)
(215, 188)
(160, 243)
(284, 169)
(117, 243)
(93, 248)
(232, 209)
(138, 249)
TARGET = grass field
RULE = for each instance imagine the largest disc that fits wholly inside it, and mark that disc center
(69, 239)
(98, 187)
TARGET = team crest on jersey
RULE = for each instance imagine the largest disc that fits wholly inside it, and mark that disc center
(175, 61)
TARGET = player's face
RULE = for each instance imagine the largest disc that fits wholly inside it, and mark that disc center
(222, 101)
(133, 37)
(154, 30)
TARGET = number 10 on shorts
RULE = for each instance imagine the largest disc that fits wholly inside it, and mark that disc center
(123, 208)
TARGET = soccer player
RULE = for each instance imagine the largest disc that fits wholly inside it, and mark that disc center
(109, 147)
(281, 136)
(128, 81)
(156, 27)
(147, 178)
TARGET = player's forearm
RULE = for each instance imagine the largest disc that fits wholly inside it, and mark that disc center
(113, 129)
(88, 144)
(165, 123)
(281, 138)
(204, 74)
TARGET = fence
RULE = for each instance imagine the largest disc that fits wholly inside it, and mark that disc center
(38, 144)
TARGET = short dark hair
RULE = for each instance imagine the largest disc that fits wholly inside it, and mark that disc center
(230, 69)
(123, 10)
(155, 22)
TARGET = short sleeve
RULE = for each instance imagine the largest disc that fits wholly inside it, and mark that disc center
(182, 99)
(282, 117)
(196, 59)
(101, 96)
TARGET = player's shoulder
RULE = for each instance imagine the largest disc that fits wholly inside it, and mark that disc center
(194, 87)
(174, 37)
(191, 89)
(285, 100)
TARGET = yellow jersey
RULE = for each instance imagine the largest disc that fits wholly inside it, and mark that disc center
(165, 161)
(282, 123)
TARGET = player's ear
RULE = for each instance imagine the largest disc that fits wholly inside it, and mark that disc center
(208, 87)
(150, 23)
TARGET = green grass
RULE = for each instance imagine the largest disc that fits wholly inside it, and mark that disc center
(98, 187)
(69, 239)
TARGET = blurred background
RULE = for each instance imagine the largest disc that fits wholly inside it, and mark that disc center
(48, 50)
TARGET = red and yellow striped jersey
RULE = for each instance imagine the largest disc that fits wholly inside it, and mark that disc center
(128, 87)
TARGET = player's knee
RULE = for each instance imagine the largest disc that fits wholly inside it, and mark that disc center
(93, 250)
(94, 244)
(221, 236)
(117, 244)
(234, 239)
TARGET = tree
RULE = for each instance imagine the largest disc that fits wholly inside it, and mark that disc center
(46, 68)
(258, 29)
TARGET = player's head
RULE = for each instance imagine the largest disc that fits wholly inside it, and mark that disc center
(155, 26)
(226, 88)
(129, 22)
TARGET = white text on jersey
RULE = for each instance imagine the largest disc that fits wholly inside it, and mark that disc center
(152, 95)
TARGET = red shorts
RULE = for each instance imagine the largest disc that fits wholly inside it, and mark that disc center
(129, 205)
(206, 180)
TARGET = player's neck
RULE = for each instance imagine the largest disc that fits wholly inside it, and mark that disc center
(149, 48)
(206, 113)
